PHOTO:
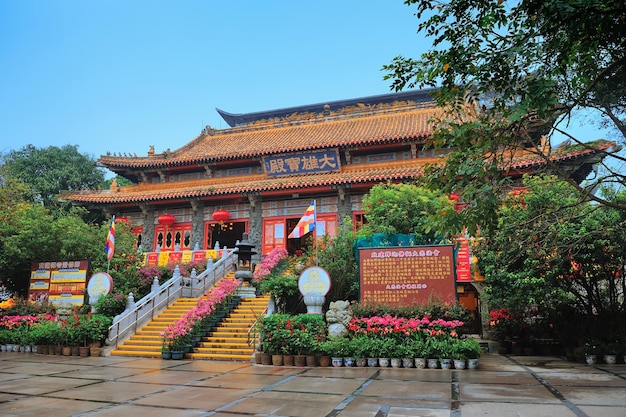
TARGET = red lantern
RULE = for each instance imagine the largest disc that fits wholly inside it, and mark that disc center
(122, 219)
(137, 230)
(221, 215)
(166, 219)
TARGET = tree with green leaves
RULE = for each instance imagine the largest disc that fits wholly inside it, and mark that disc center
(337, 256)
(48, 171)
(410, 209)
(558, 259)
(509, 73)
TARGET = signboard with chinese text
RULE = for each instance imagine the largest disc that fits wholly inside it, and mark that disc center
(463, 264)
(169, 257)
(62, 283)
(407, 275)
(306, 162)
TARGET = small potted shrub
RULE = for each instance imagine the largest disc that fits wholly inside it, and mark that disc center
(336, 349)
(358, 347)
(472, 351)
(387, 350)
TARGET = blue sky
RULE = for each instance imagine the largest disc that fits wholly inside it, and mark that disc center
(121, 75)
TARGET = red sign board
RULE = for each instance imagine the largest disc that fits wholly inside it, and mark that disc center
(407, 275)
(170, 257)
(463, 267)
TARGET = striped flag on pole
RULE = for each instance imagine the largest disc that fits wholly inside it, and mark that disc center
(109, 247)
(306, 223)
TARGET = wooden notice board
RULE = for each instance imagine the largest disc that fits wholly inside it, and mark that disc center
(407, 275)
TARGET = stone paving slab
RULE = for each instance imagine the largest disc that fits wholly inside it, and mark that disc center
(494, 409)
(49, 407)
(503, 386)
(276, 403)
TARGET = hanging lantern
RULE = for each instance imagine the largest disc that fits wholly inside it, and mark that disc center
(122, 219)
(167, 219)
(137, 230)
(221, 215)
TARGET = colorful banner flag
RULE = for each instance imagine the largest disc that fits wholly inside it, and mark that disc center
(109, 247)
(306, 223)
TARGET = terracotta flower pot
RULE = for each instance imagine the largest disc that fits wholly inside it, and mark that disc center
(325, 360)
(300, 360)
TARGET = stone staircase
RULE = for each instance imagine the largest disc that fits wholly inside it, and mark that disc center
(228, 341)
(146, 342)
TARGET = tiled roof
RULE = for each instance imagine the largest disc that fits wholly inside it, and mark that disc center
(524, 159)
(391, 124)
(351, 174)
(417, 96)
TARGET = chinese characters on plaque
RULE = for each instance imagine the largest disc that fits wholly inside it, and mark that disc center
(407, 275)
(306, 162)
(62, 283)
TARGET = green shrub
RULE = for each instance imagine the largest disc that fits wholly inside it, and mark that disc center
(111, 304)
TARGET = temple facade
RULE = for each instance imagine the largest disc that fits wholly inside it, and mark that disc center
(259, 175)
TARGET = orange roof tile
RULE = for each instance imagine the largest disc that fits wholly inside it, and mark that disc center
(350, 174)
(393, 124)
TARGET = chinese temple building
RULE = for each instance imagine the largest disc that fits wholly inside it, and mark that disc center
(259, 175)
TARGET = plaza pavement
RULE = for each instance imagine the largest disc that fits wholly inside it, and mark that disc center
(531, 386)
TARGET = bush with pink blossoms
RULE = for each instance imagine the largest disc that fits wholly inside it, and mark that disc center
(178, 334)
(277, 259)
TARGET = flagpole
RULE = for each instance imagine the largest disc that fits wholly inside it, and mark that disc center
(315, 230)
(109, 247)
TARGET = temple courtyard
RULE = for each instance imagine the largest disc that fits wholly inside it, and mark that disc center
(33, 384)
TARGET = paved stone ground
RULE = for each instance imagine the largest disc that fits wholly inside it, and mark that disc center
(44, 385)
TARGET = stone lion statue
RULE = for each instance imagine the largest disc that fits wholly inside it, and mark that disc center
(338, 318)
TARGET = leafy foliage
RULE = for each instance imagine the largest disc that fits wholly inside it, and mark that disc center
(556, 259)
(337, 257)
(51, 170)
(509, 73)
(409, 209)
(111, 304)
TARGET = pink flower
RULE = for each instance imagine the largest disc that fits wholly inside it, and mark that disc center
(204, 307)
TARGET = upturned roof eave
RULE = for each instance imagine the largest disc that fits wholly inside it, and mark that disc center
(238, 119)
(125, 163)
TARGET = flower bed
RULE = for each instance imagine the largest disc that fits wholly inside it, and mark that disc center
(371, 337)
(179, 334)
